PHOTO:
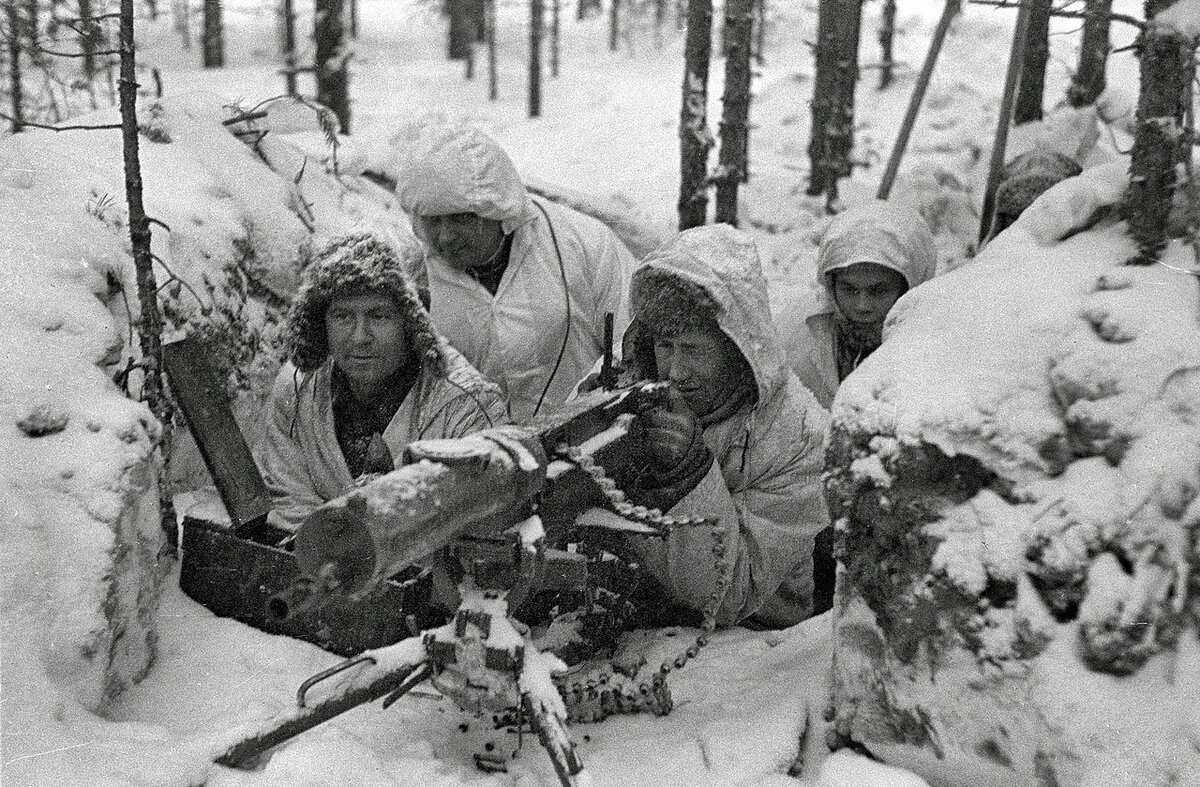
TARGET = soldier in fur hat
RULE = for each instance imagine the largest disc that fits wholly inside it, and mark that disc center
(368, 374)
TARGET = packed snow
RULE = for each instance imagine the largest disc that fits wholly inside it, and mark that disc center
(81, 508)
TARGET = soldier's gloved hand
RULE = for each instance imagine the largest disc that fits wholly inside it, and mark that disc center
(676, 453)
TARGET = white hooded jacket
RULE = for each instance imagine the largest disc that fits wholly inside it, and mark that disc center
(878, 232)
(544, 328)
(765, 484)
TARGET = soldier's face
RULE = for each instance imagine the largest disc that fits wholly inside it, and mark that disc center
(703, 364)
(366, 336)
(865, 292)
(463, 240)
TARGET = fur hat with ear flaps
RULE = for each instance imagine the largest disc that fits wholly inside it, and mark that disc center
(354, 265)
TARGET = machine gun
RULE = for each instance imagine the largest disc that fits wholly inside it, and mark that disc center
(487, 508)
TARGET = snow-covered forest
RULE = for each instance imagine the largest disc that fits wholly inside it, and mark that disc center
(1035, 403)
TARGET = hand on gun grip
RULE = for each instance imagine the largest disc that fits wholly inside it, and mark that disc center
(678, 457)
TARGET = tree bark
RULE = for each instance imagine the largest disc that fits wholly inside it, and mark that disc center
(694, 137)
(153, 392)
(89, 38)
(887, 33)
(289, 48)
(735, 108)
(182, 22)
(213, 37)
(833, 96)
(493, 78)
(614, 21)
(354, 18)
(760, 32)
(1089, 80)
(535, 58)
(1032, 89)
(554, 33)
(461, 29)
(331, 59)
(15, 89)
(1163, 140)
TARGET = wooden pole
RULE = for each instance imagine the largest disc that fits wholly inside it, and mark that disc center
(1011, 79)
(918, 95)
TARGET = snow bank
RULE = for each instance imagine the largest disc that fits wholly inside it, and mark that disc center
(81, 565)
(1016, 606)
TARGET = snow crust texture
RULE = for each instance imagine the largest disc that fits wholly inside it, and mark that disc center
(1014, 478)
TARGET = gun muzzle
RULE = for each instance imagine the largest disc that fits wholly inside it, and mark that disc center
(305, 595)
(297, 598)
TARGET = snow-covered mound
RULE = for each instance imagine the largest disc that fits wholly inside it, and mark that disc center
(82, 566)
(1014, 476)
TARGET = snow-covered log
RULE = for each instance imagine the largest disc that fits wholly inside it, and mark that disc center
(1014, 478)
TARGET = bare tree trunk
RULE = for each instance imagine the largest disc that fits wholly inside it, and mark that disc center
(887, 32)
(1089, 80)
(354, 18)
(535, 58)
(833, 96)
(735, 108)
(493, 78)
(694, 137)
(213, 37)
(461, 29)
(15, 88)
(1032, 90)
(760, 32)
(614, 20)
(183, 22)
(289, 48)
(1163, 140)
(554, 32)
(331, 60)
(153, 392)
(89, 38)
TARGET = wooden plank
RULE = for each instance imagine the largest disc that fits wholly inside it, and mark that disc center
(201, 396)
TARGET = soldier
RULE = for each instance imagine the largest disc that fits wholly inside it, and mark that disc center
(869, 256)
(742, 440)
(519, 286)
(368, 373)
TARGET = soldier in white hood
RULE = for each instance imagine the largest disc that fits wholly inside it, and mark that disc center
(742, 442)
(518, 285)
(869, 256)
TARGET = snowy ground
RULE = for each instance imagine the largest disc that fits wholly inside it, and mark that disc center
(608, 130)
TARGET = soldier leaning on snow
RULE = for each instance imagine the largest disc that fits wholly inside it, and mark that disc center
(742, 440)
(869, 256)
(368, 374)
(521, 287)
